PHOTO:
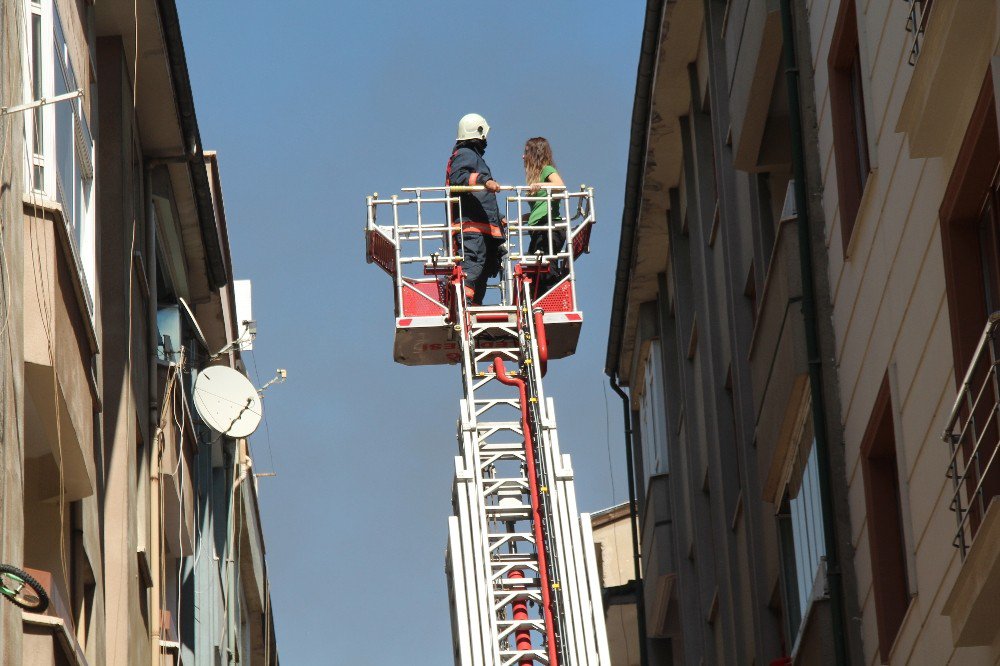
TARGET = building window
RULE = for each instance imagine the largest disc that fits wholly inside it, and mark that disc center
(62, 144)
(886, 542)
(970, 228)
(970, 242)
(652, 415)
(801, 534)
(847, 107)
(766, 223)
(37, 128)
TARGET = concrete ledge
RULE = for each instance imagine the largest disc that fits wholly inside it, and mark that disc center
(972, 604)
(43, 208)
(60, 632)
(948, 74)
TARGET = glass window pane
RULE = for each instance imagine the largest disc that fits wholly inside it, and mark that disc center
(36, 84)
(807, 528)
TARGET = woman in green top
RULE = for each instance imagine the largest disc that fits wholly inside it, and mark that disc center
(539, 170)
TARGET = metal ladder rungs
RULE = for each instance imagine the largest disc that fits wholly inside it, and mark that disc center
(496, 447)
(500, 537)
(515, 401)
(516, 584)
(498, 425)
(512, 657)
(513, 558)
(500, 485)
(508, 513)
(531, 623)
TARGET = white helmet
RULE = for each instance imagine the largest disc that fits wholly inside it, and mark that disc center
(472, 126)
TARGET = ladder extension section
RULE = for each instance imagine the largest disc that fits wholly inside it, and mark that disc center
(522, 572)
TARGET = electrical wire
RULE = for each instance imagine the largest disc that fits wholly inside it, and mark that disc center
(5, 137)
(11, 214)
(267, 581)
(167, 409)
(179, 472)
(129, 440)
(267, 426)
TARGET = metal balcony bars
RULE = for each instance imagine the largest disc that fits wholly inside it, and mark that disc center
(973, 433)
(916, 23)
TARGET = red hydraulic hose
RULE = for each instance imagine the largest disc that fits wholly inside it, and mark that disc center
(522, 637)
(536, 505)
(543, 345)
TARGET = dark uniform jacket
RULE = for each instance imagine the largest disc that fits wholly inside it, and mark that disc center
(479, 212)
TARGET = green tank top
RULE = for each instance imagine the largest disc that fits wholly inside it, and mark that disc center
(540, 209)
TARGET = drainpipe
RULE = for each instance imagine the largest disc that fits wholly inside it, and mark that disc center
(155, 541)
(833, 572)
(640, 601)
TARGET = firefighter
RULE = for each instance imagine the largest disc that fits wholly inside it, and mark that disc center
(476, 219)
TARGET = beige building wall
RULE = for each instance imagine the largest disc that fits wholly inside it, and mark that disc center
(890, 311)
(58, 400)
(613, 545)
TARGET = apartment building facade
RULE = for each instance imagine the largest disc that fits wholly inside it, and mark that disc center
(804, 303)
(908, 157)
(709, 337)
(115, 495)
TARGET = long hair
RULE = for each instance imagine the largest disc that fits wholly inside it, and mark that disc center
(537, 154)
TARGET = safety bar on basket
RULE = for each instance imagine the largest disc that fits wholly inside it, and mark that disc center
(462, 189)
(420, 235)
(407, 202)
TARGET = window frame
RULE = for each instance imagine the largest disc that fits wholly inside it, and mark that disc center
(800, 517)
(887, 542)
(77, 198)
(848, 116)
(960, 213)
(652, 414)
(37, 84)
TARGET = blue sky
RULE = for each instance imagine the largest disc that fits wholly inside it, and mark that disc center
(311, 107)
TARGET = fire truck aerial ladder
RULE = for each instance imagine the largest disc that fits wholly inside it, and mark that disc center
(522, 574)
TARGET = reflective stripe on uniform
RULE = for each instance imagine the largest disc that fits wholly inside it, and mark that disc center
(480, 228)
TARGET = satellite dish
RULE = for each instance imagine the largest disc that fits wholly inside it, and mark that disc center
(227, 401)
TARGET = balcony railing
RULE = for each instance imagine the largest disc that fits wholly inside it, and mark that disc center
(916, 22)
(973, 433)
